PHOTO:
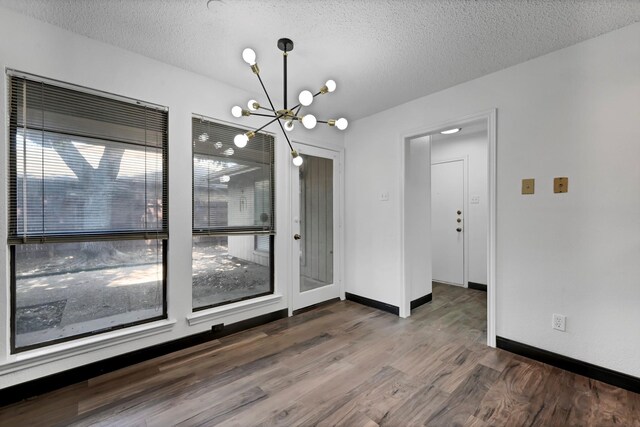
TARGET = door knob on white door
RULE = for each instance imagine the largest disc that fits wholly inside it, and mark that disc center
(296, 237)
(458, 229)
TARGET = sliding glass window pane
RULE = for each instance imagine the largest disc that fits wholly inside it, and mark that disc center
(228, 268)
(65, 290)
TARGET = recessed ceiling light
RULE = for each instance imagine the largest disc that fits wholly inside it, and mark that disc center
(450, 131)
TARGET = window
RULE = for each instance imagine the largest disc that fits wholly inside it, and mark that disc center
(233, 215)
(87, 211)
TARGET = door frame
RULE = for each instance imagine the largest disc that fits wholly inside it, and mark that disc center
(490, 118)
(465, 207)
(338, 250)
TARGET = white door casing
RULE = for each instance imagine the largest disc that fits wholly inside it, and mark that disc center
(406, 258)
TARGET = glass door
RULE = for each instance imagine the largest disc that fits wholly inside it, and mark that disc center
(315, 205)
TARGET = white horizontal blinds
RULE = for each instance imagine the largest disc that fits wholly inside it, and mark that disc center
(84, 166)
(233, 188)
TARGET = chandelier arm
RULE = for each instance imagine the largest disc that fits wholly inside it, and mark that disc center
(285, 134)
(261, 115)
(322, 121)
(265, 108)
(268, 123)
(266, 93)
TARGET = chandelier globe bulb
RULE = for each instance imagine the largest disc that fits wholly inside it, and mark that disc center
(309, 121)
(236, 111)
(241, 140)
(249, 56)
(289, 125)
(252, 105)
(305, 98)
(342, 123)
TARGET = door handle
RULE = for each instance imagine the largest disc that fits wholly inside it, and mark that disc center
(459, 212)
(296, 236)
(458, 229)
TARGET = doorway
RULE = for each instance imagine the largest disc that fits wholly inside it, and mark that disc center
(316, 204)
(418, 245)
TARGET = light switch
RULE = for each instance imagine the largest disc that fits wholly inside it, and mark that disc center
(561, 185)
(528, 186)
(383, 196)
(475, 200)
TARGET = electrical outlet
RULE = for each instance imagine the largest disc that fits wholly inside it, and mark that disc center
(559, 322)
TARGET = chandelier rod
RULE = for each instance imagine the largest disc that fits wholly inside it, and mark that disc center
(284, 59)
(274, 109)
(266, 93)
(262, 115)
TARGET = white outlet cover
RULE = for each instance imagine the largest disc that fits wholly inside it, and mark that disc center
(475, 200)
(559, 322)
(383, 196)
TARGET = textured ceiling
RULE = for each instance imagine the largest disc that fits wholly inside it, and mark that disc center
(380, 52)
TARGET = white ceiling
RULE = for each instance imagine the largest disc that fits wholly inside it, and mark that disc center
(380, 52)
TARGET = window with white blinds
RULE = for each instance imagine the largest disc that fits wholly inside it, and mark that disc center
(84, 166)
(87, 206)
(233, 215)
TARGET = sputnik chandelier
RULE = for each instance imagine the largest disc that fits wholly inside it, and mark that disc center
(287, 115)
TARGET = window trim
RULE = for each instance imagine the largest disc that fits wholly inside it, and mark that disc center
(11, 72)
(13, 240)
(45, 355)
(231, 231)
(213, 313)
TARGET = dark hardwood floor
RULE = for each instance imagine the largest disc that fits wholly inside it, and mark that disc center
(342, 364)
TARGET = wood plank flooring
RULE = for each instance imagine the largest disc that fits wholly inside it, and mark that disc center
(342, 364)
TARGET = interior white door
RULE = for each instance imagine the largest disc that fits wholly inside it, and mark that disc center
(315, 204)
(447, 221)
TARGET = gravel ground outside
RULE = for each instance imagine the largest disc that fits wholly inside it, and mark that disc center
(77, 296)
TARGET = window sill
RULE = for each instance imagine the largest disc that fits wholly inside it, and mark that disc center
(238, 307)
(29, 359)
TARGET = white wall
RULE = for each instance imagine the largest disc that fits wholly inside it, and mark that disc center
(473, 147)
(38, 48)
(571, 113)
